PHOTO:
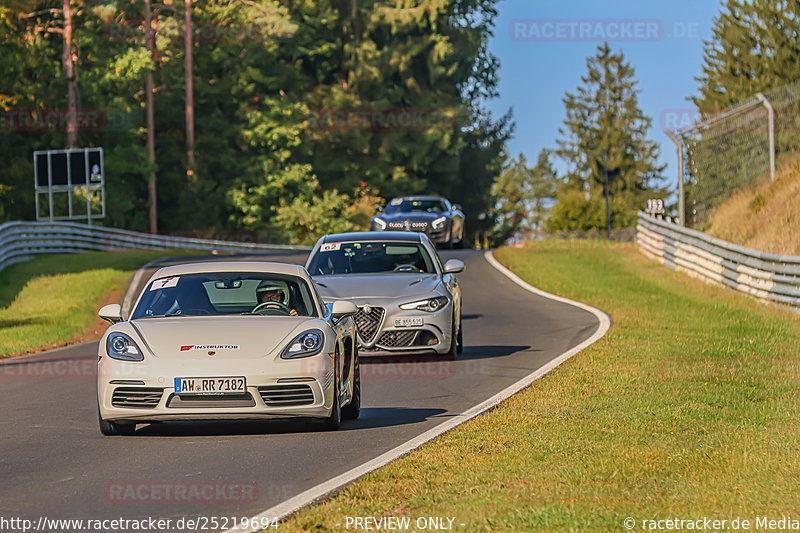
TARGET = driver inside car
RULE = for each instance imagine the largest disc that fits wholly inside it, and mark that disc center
(405, 263)
(275, 295)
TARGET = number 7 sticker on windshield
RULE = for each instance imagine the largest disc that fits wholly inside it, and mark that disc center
(330, 247)
(165, 283)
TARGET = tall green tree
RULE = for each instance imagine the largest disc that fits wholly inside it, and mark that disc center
(523, 194)
(379, 61)
(755, 46)
(606, 131)
(262, 69)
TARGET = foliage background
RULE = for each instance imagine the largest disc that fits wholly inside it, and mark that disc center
(261, 69)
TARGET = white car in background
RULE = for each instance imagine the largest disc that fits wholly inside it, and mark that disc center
(228, 340)
(408, 302)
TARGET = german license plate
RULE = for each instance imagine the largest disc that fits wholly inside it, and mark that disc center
(407, 322)
(210, 385)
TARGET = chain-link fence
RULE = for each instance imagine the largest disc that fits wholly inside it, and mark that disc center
(730, 151)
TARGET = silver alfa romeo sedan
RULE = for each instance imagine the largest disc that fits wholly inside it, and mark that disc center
(407, 300)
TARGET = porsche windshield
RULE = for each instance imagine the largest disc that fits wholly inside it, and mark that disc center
(226, 293)
(415, 206)
(370, 258)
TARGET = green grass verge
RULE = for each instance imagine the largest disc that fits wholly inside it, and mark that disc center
(687, 408)
(53, 299)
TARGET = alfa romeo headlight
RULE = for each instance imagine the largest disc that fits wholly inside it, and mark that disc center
(430, 305)
(439, 222)
(120, 346)
(306, 344)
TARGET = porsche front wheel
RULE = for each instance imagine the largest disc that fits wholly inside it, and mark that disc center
(334, 420)
(109, 428)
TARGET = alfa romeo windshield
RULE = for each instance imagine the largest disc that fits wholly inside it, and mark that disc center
(371, 258)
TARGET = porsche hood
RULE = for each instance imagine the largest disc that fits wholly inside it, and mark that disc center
(356, 286)
(228, 337)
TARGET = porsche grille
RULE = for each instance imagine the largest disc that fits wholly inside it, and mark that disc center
(210, 402)
(142, 397)
(367, 323)
(286, 395)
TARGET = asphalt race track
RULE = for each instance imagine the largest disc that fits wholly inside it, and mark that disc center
(55, 463)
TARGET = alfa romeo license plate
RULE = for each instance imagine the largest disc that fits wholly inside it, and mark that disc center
(407, 322)
(210, 385)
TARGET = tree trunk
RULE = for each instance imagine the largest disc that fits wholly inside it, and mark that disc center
(189, 93)
(72, 81)
(151, 142)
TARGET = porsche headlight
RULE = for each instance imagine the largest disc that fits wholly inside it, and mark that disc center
(120, 346)
(430, 305)
(439, 222)
(380, 223)
(306, 344)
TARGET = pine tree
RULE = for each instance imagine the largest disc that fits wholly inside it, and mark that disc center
(256, 83)
(605, 128)
(392, 56)
(755, 46)
(521, 194)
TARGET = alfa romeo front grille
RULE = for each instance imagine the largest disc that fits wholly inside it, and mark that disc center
(286, 395)
(141, 397)
(368, 322)
(398, 339)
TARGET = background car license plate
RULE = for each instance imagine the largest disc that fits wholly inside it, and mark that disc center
(210, 385)
(407, 322)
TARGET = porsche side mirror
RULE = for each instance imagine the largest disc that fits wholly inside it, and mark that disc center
(379, 209)
(111, 312)
(343, 308)
(454, 266)
(457, 207)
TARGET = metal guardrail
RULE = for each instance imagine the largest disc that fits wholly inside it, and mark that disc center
(767, 276)
(21, 241)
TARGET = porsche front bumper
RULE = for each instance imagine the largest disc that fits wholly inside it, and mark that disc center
(144, 391)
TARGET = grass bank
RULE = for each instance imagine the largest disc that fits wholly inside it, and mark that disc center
(764, 218)
(52, 300)
(687, 408)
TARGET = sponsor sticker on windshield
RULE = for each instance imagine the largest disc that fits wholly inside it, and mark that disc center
(396, 201)
(330, 247)
(165, 283)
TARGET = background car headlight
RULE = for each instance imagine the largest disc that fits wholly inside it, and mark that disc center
(429, 305)
(439, 222)
(380, 224)
(306, 344)
(120, 346)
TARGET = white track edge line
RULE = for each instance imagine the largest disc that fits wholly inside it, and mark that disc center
(127, 298)
(295, 503)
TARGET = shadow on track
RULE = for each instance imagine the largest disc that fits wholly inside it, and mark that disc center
(470, 352)
(374, 417)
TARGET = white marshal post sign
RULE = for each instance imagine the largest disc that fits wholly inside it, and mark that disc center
(69, 184)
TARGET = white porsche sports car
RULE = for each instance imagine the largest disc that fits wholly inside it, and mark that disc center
(228, 340)
(408, 300)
